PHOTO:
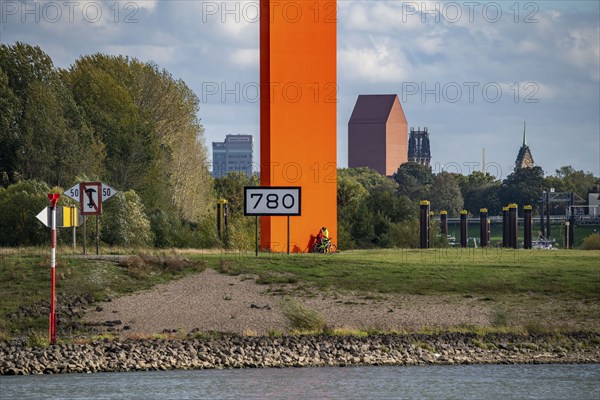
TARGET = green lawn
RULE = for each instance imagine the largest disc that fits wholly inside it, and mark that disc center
(566, 274)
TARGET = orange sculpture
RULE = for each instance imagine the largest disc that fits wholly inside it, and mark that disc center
(298, 116)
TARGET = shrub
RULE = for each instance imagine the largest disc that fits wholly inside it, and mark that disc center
(20, 203)
(591, 242)
(302, 318)
(405, 234)
(124, 221)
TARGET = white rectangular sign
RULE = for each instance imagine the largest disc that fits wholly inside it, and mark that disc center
(272, 200)
(90, 198)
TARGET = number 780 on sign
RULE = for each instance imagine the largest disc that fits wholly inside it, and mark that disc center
(272, 200)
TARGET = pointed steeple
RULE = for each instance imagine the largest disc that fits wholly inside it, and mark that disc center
(524, 158)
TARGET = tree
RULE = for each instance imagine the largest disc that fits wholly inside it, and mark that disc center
(445, 194)
(148, 123)
(24, 64)
(43, 130)
(523, 187)
(361, 225)
(571, 180)
(414, 180)
(9, 131)
(50, 150)
(349, 192)
(385, 201)
(240, 233)
(367, 177)
(20, 203)
(480, 190)
(231, 188)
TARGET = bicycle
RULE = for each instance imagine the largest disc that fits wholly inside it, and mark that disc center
(328, 247)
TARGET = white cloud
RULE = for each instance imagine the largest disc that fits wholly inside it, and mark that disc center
(581, 49)
(246, 57)
(377, 63)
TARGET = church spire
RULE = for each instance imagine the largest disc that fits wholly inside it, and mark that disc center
(524, 158)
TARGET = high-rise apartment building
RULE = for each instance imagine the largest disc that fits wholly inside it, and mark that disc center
(233, 155)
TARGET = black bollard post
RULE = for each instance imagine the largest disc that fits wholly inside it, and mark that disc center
(527, 227)
(225, 218)
(219, 220)
(221, 217)
(542, 225)
(548, 233)
(464, 229)
(513, 225)
(483, 228)
(444, 222)
(505, 240)
(424, 224)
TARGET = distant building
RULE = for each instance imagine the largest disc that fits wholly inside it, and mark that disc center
(419, 150)
(233, 155)
(594, 204)
(524, 158)
(377, 134)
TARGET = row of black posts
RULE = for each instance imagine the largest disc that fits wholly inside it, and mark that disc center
(510, 225)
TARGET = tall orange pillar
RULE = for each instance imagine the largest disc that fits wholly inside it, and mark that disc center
(298, 116)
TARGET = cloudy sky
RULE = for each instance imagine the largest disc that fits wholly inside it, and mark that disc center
(470, 71)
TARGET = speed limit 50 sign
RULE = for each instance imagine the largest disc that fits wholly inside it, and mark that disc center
(272, 200)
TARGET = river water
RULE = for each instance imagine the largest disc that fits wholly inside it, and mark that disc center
(417, 382)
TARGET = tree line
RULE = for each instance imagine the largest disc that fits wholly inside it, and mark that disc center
(107, 118)
(132, 125)
(383, 212)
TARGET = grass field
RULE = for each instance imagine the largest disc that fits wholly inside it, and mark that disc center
(570, 274)
(546, 284)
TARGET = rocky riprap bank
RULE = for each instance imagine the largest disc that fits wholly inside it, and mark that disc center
(298, 351)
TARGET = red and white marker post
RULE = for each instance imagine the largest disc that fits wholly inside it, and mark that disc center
(52, 329)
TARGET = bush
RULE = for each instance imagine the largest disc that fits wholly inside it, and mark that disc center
(124, 221)
(206, 234)
(405, 234)
(591, 242)
(302, 318)
(20, 203)
(240, 234)
(163, 228)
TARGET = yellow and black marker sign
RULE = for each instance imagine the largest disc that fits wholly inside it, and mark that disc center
(65, 217)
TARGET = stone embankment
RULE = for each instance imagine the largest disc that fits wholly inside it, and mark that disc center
(297, 351)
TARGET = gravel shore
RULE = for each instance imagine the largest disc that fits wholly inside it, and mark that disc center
(211, 301)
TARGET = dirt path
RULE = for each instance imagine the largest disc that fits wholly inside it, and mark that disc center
(215, 302)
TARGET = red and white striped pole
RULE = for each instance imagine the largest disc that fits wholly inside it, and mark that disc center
(53, 199)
